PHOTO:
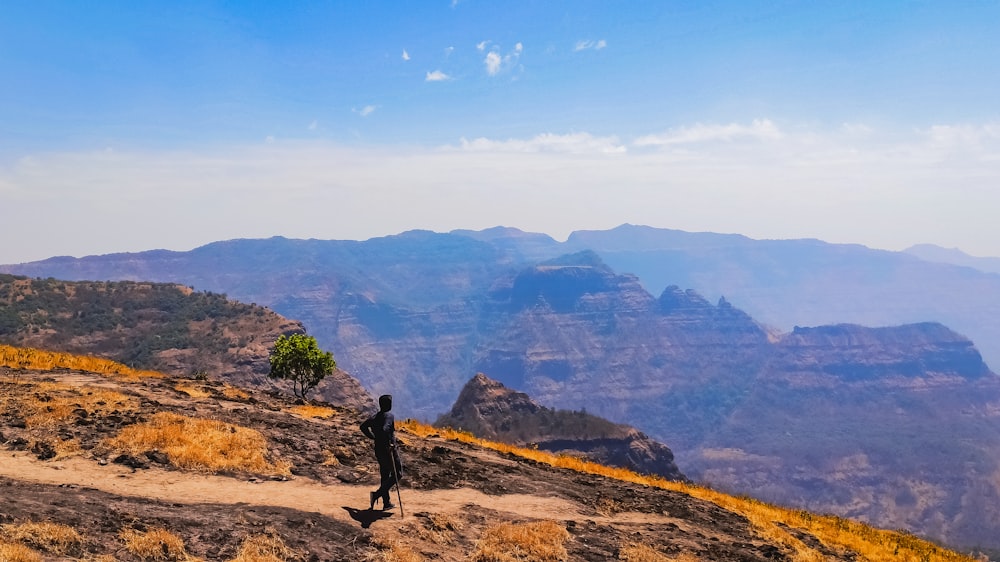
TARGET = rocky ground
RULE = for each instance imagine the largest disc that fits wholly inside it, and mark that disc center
(451, 492)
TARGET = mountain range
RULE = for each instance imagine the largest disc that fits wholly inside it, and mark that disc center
(899, 425)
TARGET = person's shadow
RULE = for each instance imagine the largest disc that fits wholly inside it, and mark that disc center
(366, 516)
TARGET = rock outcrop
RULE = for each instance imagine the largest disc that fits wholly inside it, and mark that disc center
(488, 409)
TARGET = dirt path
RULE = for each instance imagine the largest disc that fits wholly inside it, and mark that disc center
(299, 493)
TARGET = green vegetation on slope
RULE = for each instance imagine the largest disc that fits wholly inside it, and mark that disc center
(130, 322)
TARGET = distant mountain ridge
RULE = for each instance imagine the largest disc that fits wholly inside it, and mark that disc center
(954, 256)
(489, 410)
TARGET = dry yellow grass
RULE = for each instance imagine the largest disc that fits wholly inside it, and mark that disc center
(199, 444)
(868, 542)
(155, 544)
(264, 548)
(48, 404)
(30, 358)
(193, 391)
(542, 541)
(13, 552)
(234, 393)
(434, 527)
(310, 411)
(53, 538)
(390, 550)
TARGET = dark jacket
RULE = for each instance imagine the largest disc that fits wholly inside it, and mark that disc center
(381, 428)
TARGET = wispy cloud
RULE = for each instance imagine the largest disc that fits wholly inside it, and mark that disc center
(589, 44)
(482, 45)
(759, 178)
(314, 125)
(366, 110)
(496, 62)
(574, 143)
(437, 76)
(406, 56)
(758, 129)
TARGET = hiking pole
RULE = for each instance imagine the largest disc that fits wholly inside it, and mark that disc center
(395, 478)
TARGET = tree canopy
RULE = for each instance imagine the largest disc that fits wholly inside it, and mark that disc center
(298, 358)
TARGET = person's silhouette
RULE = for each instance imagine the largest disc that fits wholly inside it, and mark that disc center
(381, 428)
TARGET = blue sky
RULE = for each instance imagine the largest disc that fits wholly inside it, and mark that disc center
(127, 126)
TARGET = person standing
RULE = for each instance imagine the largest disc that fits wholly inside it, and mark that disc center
(381, 428)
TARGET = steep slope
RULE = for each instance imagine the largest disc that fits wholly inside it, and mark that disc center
(456, 493)
(488, 409)
(156, 326)
(897, 425)
(582, 336)
(105, 493)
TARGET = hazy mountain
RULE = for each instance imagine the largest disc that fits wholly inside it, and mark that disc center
(954, 256)
(780, 283)
(788, 283)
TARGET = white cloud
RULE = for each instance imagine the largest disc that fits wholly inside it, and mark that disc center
(482, 45)
(758, 129)
(497, 63)
(574, 143)
(314, 125)
(437, 76)
(887, 189)
(366, 110)
(493, 61)
(448, 51)
(406, 56)
(589, 44)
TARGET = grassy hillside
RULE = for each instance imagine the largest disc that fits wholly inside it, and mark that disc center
(157, 326)
(214, 472)
(134, 323)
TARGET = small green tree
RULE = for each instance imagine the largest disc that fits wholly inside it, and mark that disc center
(299, 359)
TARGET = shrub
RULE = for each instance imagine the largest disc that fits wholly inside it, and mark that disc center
(298, 358)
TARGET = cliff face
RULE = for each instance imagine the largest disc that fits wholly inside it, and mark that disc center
(608, 345)
(488, 409)
(856, 353)
(896, 425)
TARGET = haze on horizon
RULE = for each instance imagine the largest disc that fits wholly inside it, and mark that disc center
(129, 127)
